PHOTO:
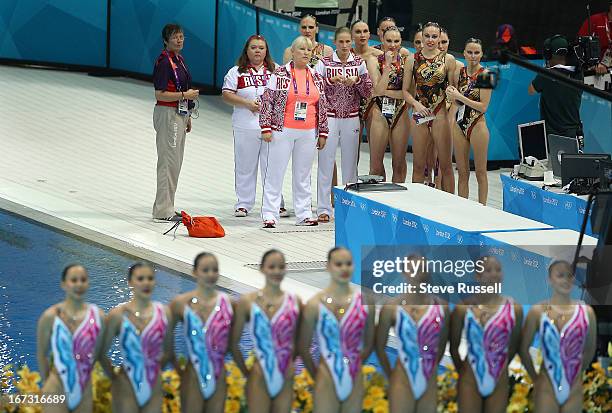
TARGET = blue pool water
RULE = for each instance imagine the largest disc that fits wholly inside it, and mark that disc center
(32, 257)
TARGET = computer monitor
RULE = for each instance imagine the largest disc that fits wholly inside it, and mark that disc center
(532, 140)
(557, 146)
(582, 165)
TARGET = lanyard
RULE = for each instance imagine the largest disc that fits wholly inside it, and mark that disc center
(174, 67)
(295, 87)
(253, 73)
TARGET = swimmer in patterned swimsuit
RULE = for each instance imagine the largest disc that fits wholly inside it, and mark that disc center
(309, 28)
(469, 127)
(429, 70)
(383, 24)
(389, 122)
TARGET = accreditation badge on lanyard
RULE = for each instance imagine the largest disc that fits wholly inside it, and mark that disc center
(182, 107)
(388, 107)
(301, 108)
(253, 74)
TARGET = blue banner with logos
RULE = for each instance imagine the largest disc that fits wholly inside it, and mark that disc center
(360, 222)
(562, 211)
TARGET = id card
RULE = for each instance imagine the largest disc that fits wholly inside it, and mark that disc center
(419, 119)
(300, 111)
(460, 113)
(183, 107)
(388, 107)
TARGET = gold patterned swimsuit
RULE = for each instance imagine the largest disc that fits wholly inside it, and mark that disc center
(317, 54)
(430, 79)
(470, 115)
(396, 77)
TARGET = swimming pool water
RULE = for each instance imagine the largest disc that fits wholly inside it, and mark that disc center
(32, 257)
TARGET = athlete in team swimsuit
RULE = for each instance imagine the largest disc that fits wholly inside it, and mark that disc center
(361, 37)
(469, 126)
(272, 316)
(430, 70)
(421, 327)
(309, 28)
(567, 337)
(383, 24)
(72, 332)
(206, 315)
(434, 178)
(142, 327)
(344, 328)
(491, 324)
(389, 121)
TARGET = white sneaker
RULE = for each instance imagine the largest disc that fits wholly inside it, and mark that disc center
(284, 213)
(240, 213)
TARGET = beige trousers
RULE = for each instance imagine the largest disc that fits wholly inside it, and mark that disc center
(170, 128)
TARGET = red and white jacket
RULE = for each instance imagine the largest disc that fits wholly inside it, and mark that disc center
(274, 101)
(343, 101)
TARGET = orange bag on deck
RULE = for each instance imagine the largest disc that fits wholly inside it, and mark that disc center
(200, 227)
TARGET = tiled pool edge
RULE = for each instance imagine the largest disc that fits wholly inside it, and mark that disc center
(28, 202)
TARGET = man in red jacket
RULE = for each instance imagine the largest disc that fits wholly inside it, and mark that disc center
(601, 26)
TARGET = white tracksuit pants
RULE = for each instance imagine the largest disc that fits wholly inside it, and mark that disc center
(300, 145)
(346, 133)
(249, 151)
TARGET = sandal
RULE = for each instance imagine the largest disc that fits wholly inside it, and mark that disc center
(324, 218)
(269, 224)
(308, 223)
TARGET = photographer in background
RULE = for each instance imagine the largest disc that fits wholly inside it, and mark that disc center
(559, 104)
(601, 26)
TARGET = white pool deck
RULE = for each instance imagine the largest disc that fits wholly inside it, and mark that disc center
(78, 153)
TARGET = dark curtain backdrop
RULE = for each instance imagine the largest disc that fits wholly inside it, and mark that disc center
(533, 20)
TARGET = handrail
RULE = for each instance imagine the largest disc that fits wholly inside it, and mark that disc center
(506, 57)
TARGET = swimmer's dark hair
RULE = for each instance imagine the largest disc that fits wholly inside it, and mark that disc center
(200, 256)
(333, 250)
(68, 268)
(359, 21)
(433, 24)
(267, 254)
(391, 29)
(136, 266)
(385, 19)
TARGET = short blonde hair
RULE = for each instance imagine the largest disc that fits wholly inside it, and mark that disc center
(301, 41)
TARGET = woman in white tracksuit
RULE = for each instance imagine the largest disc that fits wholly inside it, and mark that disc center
(346, 82)
(242, 88)
(293, 120)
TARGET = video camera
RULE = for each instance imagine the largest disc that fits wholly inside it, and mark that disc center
(488, 79)
(586, 51)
